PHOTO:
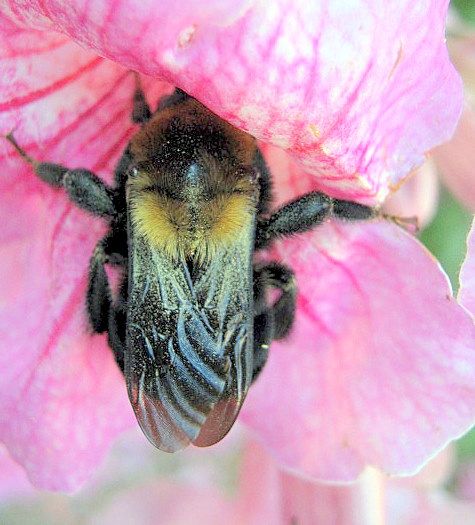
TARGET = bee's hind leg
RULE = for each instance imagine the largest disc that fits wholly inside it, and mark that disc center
(272, 322)
(117, 324)
(104, 313)
(263, 331)
(98, 296)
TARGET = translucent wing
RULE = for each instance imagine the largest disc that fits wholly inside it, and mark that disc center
(175, 385)
(188, 363)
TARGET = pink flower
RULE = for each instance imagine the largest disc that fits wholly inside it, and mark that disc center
(13, 481)
(150, 489)
(456, 158)
(270, 495)
(466, 294)
(418, 196)
(380, 354)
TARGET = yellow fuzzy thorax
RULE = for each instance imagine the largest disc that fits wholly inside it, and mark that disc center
(194, 231)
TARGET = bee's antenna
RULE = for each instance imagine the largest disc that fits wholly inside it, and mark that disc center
(24, 155)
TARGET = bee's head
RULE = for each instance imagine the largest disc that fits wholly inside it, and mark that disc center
(194, 187)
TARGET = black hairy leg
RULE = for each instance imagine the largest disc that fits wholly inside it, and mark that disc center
(141, 112)
(98, 298)
(176, 97)
(104, 313)
(265, 183)
(271, 322)
(111, 249)
(307, 212)
(121, 174)
(117, 324)
(84, 188)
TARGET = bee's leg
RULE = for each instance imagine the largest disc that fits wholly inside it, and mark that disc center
(272, 322)
(105, 314)
(176, 97)
(84, 188)
(307, 212)
(263, 322)
(98, 297)
(265, 183)
(263, 331)
(110, 249)
(121, 174)
(117, 324)
(141, 112)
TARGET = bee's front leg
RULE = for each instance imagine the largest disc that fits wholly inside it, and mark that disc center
(141, 112)
(84, 188)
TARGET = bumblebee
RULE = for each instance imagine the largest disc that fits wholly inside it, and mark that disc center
(190, 325)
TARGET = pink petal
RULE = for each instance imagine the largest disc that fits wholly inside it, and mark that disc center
(166, 504)
(62, 398)
(456, 160)
(357, 91)
(435, 472)
(139, 485)
(269, 495)
(259, 493)
(379, 368)
(417, 197)
(466, 294)
(408, 507)
(13, 481)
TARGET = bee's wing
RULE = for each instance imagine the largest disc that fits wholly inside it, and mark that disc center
(226, 410)
(175, 386)
(228, 285)
(187, 367)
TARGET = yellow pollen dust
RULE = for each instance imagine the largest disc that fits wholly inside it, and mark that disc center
(183, 230)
